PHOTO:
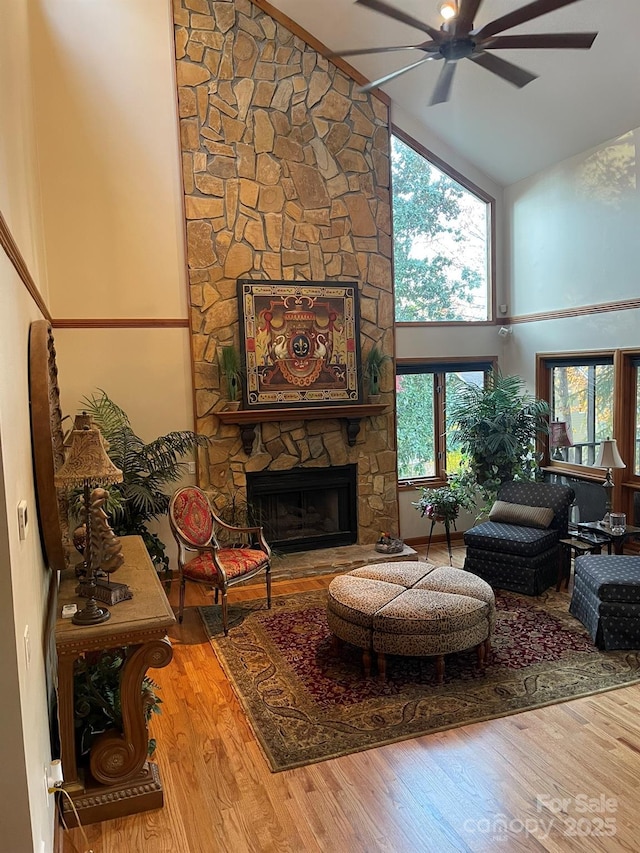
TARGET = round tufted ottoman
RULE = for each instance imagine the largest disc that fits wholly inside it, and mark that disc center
(411, 608)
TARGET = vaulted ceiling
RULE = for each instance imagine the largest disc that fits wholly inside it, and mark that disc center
(580, 99)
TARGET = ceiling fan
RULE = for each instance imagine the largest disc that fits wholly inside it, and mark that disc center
(457, 39)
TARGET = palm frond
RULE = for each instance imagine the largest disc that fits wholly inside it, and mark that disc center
(146, 468)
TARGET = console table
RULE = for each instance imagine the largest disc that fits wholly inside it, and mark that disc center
(119, 780)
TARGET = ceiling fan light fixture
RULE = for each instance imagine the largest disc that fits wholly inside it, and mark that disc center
(448, 9)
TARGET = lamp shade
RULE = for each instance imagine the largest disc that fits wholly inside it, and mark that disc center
(560, 434)
(609, 456)
(87, 461)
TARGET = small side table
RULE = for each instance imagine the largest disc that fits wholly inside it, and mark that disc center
(575, 548)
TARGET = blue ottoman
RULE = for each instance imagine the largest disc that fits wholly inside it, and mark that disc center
(606, 599)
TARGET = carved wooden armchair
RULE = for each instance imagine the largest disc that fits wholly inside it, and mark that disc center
(194, 524)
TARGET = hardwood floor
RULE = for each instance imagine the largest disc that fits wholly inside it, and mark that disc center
(562, 778)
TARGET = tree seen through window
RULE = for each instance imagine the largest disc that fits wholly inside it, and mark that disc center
(440, 243)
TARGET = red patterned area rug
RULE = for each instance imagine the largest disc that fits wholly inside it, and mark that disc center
(306, 705)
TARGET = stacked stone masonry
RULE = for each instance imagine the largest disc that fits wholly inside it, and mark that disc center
(286, 177)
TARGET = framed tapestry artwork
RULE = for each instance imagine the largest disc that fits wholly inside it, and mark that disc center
(300, 343)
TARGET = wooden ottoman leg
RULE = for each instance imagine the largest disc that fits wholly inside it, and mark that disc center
(336, 645)
(366, 662)
(440, 669)
(487, 648)
(480, 653)
(382, 666)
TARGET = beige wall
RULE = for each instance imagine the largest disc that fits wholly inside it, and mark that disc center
(573, 241)
(27, 810)
(109, 158)
(112, 200)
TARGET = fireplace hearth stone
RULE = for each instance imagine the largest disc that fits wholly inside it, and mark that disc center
(329, 560)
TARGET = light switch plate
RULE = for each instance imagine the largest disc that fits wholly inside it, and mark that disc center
(23, 519)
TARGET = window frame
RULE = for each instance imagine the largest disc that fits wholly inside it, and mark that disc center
(439, 367)
(545, 362)
(629, 362)
(484, 196)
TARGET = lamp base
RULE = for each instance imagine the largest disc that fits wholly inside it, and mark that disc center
(91, 614)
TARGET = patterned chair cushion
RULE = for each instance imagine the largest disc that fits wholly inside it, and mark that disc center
(510, 538)
(422, 611)
(527, 516)
(235, 561)
(356, 599)
(405, 574)
(191, 514)
(610, 578)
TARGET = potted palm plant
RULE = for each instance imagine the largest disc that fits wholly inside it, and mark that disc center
(496, 427)
(372, 370)
(146, 469)
(231, 369)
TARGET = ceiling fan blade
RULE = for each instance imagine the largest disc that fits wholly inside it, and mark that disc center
(565, 40)
(467, 10)
(398, 15)
(426, 46)
(443, 86)
(521, 16)
(394, 74)
(507, 70)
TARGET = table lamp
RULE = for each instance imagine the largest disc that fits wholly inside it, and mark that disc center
(559, 436)
(608, 458)
(87, 465)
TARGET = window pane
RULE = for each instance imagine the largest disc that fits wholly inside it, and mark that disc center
(440, 243)
(416, 445)
(453, 382)
(583, 397)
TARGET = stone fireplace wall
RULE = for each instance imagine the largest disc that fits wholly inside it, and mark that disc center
(286, 177)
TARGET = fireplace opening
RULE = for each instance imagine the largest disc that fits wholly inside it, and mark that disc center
(305, 508)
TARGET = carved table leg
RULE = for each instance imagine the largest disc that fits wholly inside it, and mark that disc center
(118, 756)
(66, 718)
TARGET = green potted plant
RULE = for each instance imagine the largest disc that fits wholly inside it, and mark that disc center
(444, 503)
(96, 693)
(231, 369)
(372, 369)
(496, 427)
(146, 468)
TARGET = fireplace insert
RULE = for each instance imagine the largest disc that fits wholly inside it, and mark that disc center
(305, 508)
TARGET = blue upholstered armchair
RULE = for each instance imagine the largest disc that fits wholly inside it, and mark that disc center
(517, 549)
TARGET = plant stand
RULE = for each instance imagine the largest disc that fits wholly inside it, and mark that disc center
(120, 781)
(447, 529)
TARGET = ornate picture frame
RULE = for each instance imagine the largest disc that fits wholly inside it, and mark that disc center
(48, 444)
(300, 343)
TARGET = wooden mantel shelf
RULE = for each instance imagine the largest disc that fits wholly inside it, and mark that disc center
(247, 419)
